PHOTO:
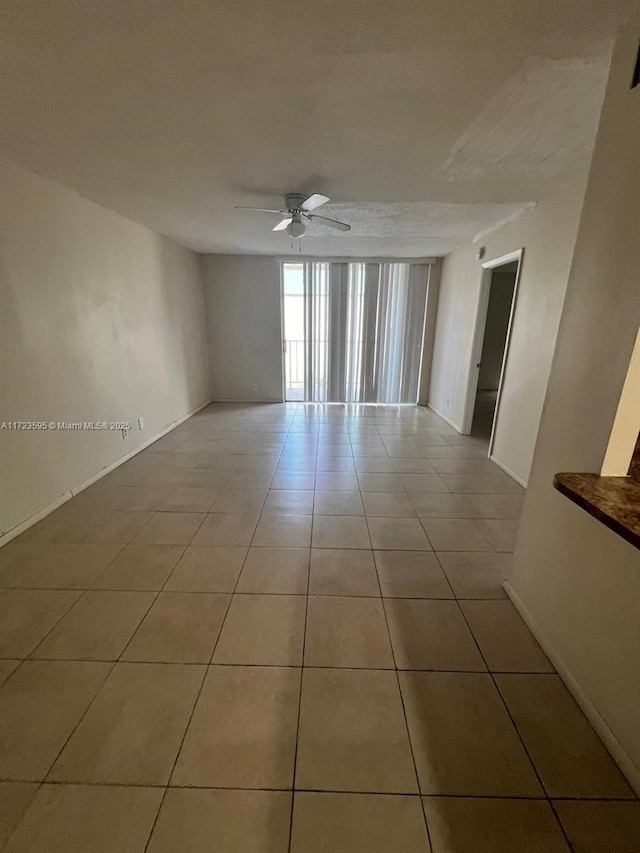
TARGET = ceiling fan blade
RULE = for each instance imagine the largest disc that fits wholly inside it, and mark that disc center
(314, 201)
(259, 209)
(283, 224)
(332, 223)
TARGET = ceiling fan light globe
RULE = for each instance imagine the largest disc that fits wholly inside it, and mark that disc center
(296, 228)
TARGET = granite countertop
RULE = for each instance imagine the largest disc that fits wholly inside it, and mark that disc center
(615, 501)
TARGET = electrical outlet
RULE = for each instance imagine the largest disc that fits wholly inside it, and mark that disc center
(254, 387)
(140, 423)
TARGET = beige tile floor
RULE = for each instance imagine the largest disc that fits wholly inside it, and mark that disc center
(282, 628)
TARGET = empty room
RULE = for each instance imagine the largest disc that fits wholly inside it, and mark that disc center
(319, 426)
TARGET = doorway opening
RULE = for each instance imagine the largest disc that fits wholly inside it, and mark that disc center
(491, 345)
(353, 331)
(502, 285)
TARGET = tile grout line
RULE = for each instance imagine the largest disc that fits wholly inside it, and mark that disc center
(417, 795)
(82, 716)
(204, 676)
(404, 710)
(213, 511)
(83, 589)
(111, 669)
(302, 668)
(547, 797)
(122, 550)
(199, 693)
(261, 513)
(146, 613)
(293, 666)
(155, 598)
(304, 626)
(37, 645)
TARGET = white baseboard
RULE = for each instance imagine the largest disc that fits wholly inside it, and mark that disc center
(444, 418)
(34, 519)
(66, 496)
(501, 465)
(618, 752)
(244, 400)
(508, 471)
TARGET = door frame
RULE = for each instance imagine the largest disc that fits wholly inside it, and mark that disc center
(478, 339)
(283, 354)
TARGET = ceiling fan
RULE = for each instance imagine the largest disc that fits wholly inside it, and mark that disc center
(297, 209)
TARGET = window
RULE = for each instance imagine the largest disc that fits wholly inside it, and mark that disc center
(353, 332)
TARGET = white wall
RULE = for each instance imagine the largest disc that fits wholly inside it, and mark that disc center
(453, 339)
(431, 314)
(495, 331)
(578, 581)
(547, 233)
(243, 312)
(100, 320)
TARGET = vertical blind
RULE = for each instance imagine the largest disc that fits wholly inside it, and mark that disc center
(364, 329)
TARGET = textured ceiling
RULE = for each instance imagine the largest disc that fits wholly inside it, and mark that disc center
(424, 121)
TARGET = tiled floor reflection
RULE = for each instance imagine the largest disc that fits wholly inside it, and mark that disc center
(283, 628)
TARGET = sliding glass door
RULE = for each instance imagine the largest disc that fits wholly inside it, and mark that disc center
(353, 332)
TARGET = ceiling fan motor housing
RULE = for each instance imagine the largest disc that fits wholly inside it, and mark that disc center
(293, 201)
